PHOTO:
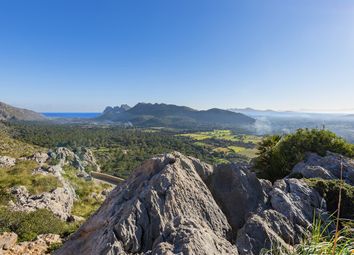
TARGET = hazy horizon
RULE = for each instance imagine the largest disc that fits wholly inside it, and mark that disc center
(324, 111)
(81, 56)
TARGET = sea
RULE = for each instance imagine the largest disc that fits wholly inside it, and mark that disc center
(71, 115)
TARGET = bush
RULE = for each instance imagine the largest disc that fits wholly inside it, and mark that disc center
(28, 225)
(5, 197)
(53, 247)
(329, 190)
(278, 155)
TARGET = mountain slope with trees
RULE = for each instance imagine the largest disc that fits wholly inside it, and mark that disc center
(167, 115)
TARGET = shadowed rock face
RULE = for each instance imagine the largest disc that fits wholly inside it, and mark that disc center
(238, 192)
(174, 204)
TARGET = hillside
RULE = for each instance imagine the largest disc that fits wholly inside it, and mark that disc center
(166, 115)
(8, 112)
(44, 194)
(171, 203)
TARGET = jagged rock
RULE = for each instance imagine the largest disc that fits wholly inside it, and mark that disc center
(36, 247)
(238, 192)
(7, 161)
(64, 155)
(163, 208)
(204, 170)
(184, 236)
(264, 229)
(297, 201)
(327, 167)
(293, 205)
(60, 201)
(7, 240)
(312, 171)
(89, 159)
(174, 204)
(80, 161)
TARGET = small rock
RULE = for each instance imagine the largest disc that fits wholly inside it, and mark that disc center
(39, 157)
(7, 161)
(7, 240)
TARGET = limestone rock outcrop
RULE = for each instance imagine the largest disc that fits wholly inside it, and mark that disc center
(292, 206)
(173, 204)
(163, 208)
(238, 192)
(327, 167)
(60, 201)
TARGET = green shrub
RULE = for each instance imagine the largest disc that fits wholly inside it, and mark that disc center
(53, 247)
(28, 225)
(277, 155)
(5, 197)
(329, 190)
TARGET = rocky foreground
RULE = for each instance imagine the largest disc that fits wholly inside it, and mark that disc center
(175, 204)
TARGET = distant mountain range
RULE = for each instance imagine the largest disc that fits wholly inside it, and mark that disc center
(258, 113)
(8, 112)
(286, 114)
(167, 115)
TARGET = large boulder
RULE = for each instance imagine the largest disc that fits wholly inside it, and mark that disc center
(64, 155)
(163, 208)
(7, 241)
(297, 201)
(327, 167)
(88, 159)
(60, 201)
(238, 192)
(264, 229)
(293, 204)
(39, 157)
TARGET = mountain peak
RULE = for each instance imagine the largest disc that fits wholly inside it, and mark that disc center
(169, 115)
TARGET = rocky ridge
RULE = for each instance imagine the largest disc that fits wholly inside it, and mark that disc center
(174, 204)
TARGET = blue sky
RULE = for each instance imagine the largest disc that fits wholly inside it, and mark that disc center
(71, 55)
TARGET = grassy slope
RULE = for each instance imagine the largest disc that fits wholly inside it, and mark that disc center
(88, 193)
(15, 148)
(26, 225)
(21, 175)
